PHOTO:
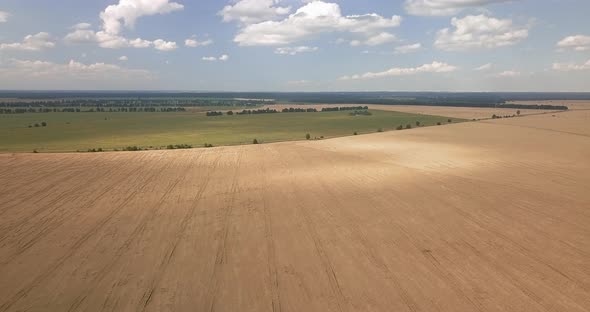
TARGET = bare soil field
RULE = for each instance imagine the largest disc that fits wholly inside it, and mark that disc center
(479, 216)
(455, 112)
(571, 104)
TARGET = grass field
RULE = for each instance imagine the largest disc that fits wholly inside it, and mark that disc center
(82, 131)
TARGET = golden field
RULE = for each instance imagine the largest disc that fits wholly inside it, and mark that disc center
(477, 216)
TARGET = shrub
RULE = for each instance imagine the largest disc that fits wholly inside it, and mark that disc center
(99, 149)
(438, 123)
(518, 112)
(230, 113)
(35, 151)
(255, 141)
(400, 127)
(36, 125)
(417, 124)
(30, 126)
(408, 126)
(355, 133)
(450, 120)
(208, 145)
(44, 124)
(170, 146)
(307, 136)
(380, 130)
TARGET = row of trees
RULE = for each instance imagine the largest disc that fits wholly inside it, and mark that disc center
(132, 102)
(37, 125)
(344, 108)
(243, 112)
(299, 110)
(358, 110)
(23, 110)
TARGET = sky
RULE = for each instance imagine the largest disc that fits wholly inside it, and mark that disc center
(295, 45)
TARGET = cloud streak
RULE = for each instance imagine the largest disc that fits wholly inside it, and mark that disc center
(434, 67)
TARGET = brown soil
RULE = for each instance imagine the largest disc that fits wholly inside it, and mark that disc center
(484, 216)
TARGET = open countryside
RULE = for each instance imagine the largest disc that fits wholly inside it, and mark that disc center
(460, 217)
(110, 131)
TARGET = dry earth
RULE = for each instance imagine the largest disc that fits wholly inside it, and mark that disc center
(455, 112)
(485, 216)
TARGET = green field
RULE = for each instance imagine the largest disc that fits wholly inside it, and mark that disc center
(109, 131)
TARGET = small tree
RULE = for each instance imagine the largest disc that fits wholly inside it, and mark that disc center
(417, 124)
(308, 136)
(255, 141)
(518, 112)
(230, 113)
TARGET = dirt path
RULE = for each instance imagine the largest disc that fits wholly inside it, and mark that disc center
(480, 216)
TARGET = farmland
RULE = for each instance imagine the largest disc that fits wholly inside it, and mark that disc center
(109, 131)
(474, 216)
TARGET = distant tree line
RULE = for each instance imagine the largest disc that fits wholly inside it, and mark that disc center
(257, 111)
(91, 110)
(299, 110)
(534, 106)
(357, 110)
(243, 112)
(344, 108)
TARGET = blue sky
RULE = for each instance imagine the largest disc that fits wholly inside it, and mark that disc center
(296, 45)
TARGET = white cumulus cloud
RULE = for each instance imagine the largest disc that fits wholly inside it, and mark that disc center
(374, 40)
(409, 48)
(577, 43)
(479, 32)
(123, 58)
(195, 43)
(4, 17)
(313, 19)
(125, 13)
(70, 70)
(253, 11)
(35, 42)
(444, 7)
(163, 45)
(82, 26)
(571, 66)
(484, 67)
(222, 58)
(295, 50)
(508, 74)
(434, 67)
